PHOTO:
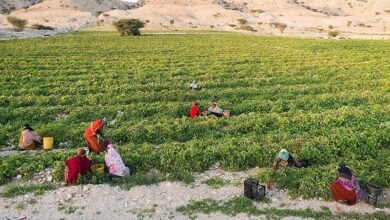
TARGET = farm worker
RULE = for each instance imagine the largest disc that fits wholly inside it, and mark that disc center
(194, 111)
(285, 159)
(114, 162)
(215, 110)
(77, 166)
(345, 188)
(29, 139)
(94, 137)
(193, 85)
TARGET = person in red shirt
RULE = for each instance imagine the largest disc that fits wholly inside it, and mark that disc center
(194, 111)
(345, 188)
(77, 166)
(94, 137)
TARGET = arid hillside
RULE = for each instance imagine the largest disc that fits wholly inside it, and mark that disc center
(345, 18)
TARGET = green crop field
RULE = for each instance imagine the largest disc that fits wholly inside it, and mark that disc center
(326, 101)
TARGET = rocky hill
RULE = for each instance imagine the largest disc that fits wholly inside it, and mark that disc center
(347, 18)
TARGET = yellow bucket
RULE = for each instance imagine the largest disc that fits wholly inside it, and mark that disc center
(98, 168)
(48, 143)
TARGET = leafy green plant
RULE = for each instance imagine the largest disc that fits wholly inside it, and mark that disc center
(17, 190)
(265, 176)
(67, 209)
(128, 27)
(181, 175)
(215, 182)
(239, 205)
(318, 108)
(141, 178)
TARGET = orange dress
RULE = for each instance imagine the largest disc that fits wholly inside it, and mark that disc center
(90, 135)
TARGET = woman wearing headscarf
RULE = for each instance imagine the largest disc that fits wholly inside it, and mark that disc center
(193, 85)
(215, 110)
(194, 111)
(29, 139)
(94, 137)
(77, 166)
(285, 159)
(114, 162)
(345, 188)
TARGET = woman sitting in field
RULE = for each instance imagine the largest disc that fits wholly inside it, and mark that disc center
(345, 188)
(217, 111)
(94, 137)
(114, 162)
(193, 85)
(194, 111)
(77, 166)
(285, 159)
(29, 139)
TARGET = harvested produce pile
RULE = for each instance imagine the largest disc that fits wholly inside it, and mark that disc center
(325, 101)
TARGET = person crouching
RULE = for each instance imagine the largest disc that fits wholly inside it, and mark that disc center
(94, 138)
(114, 162)
(77, 166)
(194, 111)
(285, 159)
(29, 139)
(345, 189)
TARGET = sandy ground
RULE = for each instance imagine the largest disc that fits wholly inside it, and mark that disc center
(157, 201)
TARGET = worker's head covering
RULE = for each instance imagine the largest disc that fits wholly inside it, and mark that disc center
(28, 127)
(283, 154)
(194, 81)
(81, 152)
(214, 103)
(345, 172)
(195, 103)
(105, 121)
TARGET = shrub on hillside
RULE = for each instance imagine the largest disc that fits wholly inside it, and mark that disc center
(242, 21)
(98, 13)
(333, 33)
(37, 26)
(279, 26)
(257, 11)
(128, 27)
(18, 23)
(247, 27)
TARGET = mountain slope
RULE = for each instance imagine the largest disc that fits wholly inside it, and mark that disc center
(83, 5)
(350, 18)
(7, 6)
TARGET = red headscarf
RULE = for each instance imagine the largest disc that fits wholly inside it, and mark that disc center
(94, 127)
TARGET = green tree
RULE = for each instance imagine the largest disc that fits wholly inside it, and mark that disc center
(127, 27)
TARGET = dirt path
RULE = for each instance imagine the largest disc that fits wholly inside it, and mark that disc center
(10, 152)
(157, 201)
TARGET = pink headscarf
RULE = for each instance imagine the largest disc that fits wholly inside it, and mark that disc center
(114, 162)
